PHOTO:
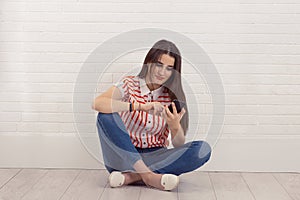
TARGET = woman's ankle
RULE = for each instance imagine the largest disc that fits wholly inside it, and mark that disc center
(131, 177)
(152, 179)
(146, 177)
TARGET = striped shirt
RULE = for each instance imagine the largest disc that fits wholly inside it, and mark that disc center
(145, 130)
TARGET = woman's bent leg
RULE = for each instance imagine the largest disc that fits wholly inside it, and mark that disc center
(120, 154)
(186, 158)
(117, 149)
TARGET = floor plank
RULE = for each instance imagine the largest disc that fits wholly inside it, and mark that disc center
(6, 175)
(52, 185)
(228, 186)
(291, 183)
(92, 184)
(88, 185)
(265, 186)
(124, 193)
(148, 193)
(21, 184)
(195, 186)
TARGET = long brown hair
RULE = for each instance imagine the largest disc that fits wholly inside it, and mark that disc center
(173, 85)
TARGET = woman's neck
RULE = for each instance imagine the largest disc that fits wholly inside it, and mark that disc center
(150, 85)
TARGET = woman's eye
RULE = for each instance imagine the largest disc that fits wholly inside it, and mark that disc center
(159, 64)
(170, 68)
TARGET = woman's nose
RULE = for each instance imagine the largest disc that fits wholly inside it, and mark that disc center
(162, 71)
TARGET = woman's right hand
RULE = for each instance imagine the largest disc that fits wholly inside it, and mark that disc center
(154, 108)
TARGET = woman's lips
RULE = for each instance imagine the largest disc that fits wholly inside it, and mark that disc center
(159, 78)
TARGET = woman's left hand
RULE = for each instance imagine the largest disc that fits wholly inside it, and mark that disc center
(173, 119)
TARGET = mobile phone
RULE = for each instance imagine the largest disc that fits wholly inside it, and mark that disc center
(179, 105)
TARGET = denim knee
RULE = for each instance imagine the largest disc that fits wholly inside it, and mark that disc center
(102, 120)
(201, 151)
(110, 120)
(205, 150)
(104, 117)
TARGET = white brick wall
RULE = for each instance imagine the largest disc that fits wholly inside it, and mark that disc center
(255, 46)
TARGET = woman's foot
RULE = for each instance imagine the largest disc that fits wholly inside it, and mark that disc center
(159, 181)
(118, 179)
(153, 180)
(131, 177)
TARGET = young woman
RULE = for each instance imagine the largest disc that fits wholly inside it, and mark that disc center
(134, 122)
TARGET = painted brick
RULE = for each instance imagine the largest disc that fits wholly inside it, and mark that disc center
(253, 44)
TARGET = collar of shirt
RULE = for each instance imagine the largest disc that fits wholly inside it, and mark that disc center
(145, 90)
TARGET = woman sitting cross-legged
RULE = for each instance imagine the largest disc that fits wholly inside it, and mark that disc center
(134, 123)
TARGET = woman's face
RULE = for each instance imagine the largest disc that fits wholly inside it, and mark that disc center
(160, 72)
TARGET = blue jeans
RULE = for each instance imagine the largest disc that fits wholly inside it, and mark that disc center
(119, 154)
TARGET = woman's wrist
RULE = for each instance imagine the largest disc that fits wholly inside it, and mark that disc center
(135, 106)
(175, 129)
(140, 106)
(178, 137)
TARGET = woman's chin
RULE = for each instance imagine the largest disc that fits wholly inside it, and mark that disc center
(159, 82)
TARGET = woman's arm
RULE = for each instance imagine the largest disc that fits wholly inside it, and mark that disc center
(173, 121)
(110, 101)
(177, 136)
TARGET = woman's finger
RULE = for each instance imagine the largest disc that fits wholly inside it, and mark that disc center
(168, 112)
(182, 112)
(163, 114)
(158, 108)
(154, 111)
(174, 108)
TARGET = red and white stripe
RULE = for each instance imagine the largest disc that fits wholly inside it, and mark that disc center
(142, 133)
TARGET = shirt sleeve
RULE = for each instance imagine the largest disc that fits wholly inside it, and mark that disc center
(123, 87)
(120, 85)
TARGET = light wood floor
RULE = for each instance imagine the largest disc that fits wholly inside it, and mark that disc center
(61, 184)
